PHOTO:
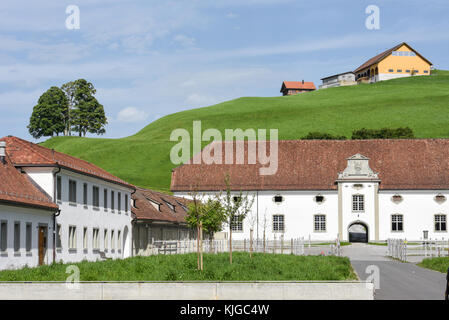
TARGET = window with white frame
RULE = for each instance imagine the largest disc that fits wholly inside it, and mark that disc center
(319, 223)
(96, 197)
(278, 223)
(440, 222)
(3, 235)
(16, 236)
(85, 194)
(237, 224)
(105, 199)
(72, 191)
(58, 236)
(119, 240)
(96, 239)
(119, 202)
(28, 236)
(358, 203)
(72, 237)
(112, 201)
(106, 240)
(85, 245)
(397, 222)
(58, 188)
(112, 240)
(126, 203)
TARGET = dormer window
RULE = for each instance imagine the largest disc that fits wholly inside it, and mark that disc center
(171, 206)
(278, 199)
(439, 198)
(319, 199)
(155, 204)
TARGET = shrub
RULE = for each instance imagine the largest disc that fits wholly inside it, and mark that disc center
(322, 136)
(384, 133)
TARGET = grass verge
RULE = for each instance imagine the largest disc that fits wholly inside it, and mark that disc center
(440, 264)
(182, 267)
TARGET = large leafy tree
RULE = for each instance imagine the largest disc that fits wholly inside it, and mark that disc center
(86, 113)
(50, 114)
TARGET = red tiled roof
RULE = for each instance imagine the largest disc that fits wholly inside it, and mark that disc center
(144, 210)
(298, 85)
(383, 55)
(17, 188)
(23, 153)
(402, 164)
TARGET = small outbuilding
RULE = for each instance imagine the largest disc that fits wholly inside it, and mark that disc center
(294, 87)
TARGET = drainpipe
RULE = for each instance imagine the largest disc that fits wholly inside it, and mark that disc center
(134, 221)
(55, 214)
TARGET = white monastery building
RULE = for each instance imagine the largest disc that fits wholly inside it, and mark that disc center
(357, 190)
(55, 207)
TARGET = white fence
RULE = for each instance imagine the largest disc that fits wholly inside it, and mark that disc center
(298, 246)
(402, 249)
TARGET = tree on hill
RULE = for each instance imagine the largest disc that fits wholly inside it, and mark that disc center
(322, 136)
(86, 113)
(384, 133)
(50, 115)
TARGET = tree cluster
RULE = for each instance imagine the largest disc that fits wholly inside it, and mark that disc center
(71, 108)
(364, 134)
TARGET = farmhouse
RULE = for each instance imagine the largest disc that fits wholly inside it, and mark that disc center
(294, 87)
(397, 62)
(54, 207)
(158, 216)
(365, 190)
(339, 80)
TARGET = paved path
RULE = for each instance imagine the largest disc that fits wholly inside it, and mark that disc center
(398, 280)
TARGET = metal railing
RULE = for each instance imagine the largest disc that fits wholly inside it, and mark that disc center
(402, 249)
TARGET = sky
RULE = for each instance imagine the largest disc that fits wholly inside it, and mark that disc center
(151, 58)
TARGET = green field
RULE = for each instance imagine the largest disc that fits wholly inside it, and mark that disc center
(421, 103)
(440, 264)
(182, 267)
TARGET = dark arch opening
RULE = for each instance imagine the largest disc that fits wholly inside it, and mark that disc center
(358, 232)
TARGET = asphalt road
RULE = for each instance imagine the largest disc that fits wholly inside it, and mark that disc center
(398, 280)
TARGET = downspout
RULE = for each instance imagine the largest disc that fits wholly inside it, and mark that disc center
(133, 221)
(55, 214)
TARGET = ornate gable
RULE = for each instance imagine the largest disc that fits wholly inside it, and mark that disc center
(358, 169)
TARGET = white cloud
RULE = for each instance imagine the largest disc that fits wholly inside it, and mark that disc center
(232, 15)
(184, 40)
(131, 114)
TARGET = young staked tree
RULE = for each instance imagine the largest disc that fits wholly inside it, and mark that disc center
(235, 207)
(194, 218)
(213, 218)
(49, 114)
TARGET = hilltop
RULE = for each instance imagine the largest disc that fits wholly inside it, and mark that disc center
(421, 103)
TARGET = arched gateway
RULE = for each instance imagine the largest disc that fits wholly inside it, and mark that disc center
(358, 232)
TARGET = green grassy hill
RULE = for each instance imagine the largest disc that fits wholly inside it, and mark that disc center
(422, 103)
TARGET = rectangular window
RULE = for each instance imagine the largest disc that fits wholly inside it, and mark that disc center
(397, 222)
(119, 202)
(425, 71)
(126, 203)
(95, 239)
(278, 223)
(105, 239)
(85, 194)
(105, 199)
(29, 235)
(408, 71)
(119, 240)
(112, 240)
(58, 237)
(72, 191)
(85, 238)
(399, 70)
(3, 236)
(390, 70)
(237, 224)
(440, 222)
(415, 71)
(16, 236)
(58, 188)
(112, 200)
(72, 237)
(320, 222)
(358, 203)
(96, 197)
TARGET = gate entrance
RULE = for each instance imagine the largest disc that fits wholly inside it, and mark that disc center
(358, 232)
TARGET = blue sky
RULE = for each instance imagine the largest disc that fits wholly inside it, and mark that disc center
(151, 58)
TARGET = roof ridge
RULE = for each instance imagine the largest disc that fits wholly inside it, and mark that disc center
(26, 144)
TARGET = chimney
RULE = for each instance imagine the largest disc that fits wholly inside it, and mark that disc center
(3, 152)
(302, 81)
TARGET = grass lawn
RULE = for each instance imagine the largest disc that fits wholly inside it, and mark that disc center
(420, 103)
(182, 267)
(438, 264)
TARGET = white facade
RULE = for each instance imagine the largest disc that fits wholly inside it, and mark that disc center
(29, 220)
(84, 229)
(416, 209)
(338, 80)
